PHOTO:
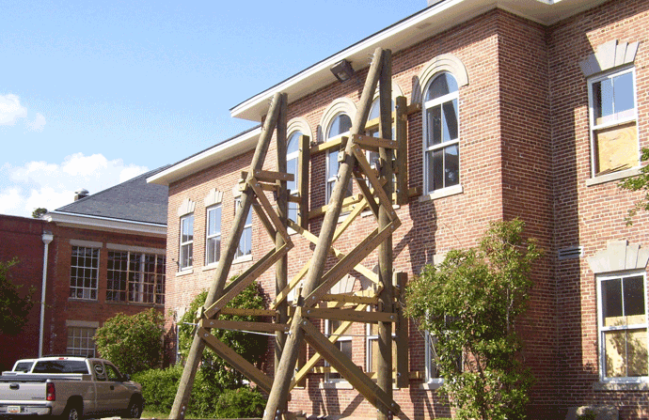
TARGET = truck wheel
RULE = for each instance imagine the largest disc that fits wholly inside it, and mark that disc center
(134, 410)
(72, 412)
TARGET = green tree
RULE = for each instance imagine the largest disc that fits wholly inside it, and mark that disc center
(470, 303)
(251, 346)
(133, 343)
(638, 183)
(13, 307)
(39, 212)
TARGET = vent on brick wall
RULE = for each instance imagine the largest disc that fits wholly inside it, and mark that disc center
(572, 252)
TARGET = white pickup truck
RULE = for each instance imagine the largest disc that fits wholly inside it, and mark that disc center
(70, 388)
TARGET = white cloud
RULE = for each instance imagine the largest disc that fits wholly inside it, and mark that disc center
(52, 185)
(11, 110)
(38, 123)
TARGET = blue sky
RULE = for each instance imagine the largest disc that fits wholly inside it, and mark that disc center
(95, 92)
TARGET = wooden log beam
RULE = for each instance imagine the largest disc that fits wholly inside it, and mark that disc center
(235, 360)
(247, 312)
(354, 375)
(401, 329)
(186, 382)
(272, 176)
(362, 185)
(335, 143)
(261, 215)
(304, 157)
(367, 142)
(349, 201)
(349, 315)
(350, 299)
(283, 377)
(401, 132)
(244, 325)
(272, 215)
(384, 199)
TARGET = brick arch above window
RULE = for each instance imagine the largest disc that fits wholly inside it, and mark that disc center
(187, 206)
(608, 56)
(338, 106)
(301, 125)
(442, 63)
(619, 256)
(213, 197)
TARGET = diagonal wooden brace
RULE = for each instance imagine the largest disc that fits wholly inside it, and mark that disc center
(354, 375)
(235, 360)
(268, 207)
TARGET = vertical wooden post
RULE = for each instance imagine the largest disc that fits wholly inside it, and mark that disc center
(384, 365)
(401, 327)
(282, 382)
(281, 268)
(179, 408)
(401, 121)
(303, 180)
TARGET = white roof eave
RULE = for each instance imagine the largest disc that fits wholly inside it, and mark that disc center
(105, 224)
(423, 25)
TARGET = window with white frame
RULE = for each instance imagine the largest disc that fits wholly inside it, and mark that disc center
(623, 327)
(441, 134)
(213, 235)
(613, 122)
(135, 277)
(340, 126)
(432, 370)
(245, 243)
(84, 272)
(81, 341)
(374, 115)
(372, 354)
(292, 156)
(344, 344)
(186, 242)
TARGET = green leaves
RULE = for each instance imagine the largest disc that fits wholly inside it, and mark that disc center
(132, 343)
(469, 303)
(14, 307)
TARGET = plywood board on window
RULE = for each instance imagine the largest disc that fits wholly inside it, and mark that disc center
(617, 148)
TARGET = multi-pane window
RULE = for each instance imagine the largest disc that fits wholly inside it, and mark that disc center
(623, 327)
(344, 344)
(135, 277)
(340, 126)
(245, 243)
(373, 355)
(373, 156)
(84, 271)
(614, 134)
(441, 140)
(432, 371)
(292, 155)
(186, 241)
(81, 341)
(213, 235)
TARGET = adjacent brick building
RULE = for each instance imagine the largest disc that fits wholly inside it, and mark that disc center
(105, 255)
(530, 109)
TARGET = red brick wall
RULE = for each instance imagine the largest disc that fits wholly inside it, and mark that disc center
(589, 215)
(21, 238)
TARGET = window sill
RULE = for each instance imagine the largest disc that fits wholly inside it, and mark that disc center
(430, 386)
(621, 386)
(445, 192)
(243, 259)
(73, 299)
(335, 385)
(184, 272)
(210, 266)
(615, 176)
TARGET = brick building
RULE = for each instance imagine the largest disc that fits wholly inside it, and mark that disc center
(105, 255)
(528, 108)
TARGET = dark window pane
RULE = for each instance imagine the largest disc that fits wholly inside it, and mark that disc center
(450, 120)
(452, 166)
(633, 296)
(434, 126)
(442, 85)
(341, 124)
(612, 298)
(438, 169)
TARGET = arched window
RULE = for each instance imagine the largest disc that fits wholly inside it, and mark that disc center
(292, 155)
(441, 134)
(339, 126)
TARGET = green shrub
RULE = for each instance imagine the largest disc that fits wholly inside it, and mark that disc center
(159, 388)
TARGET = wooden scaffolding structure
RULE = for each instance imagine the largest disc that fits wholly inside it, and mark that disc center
(293, 324)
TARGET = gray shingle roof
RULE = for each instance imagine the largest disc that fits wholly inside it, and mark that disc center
(133, 200)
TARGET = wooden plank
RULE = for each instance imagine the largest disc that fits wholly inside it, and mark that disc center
(303, 181)
(268, 208)
(373, 124)
(354, 375)
(235, 360)
(350, 299)
(259, 211)
(246, 278)
(335, 143)
(281, 296)
(244, 325)
(294, 199)
(264, 187)
(362, 185)
(346, 203)
(247, 312)
(401, 131)
(350, 315)
(374, 142)
(401, 330)
(356, 211)
(384, 199)
(272, 176)
(413, 108)
(343, 266)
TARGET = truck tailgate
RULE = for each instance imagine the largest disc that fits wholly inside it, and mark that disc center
(22, 391)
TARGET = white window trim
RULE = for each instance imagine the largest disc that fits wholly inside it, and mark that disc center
(246, 257)
(601, 330)
(592, 127)
(182, 244)
(208, 236)
(426, 149)
(83, 288)
(432, 383)
(341, 382)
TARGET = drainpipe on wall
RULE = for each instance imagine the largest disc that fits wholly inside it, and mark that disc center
(47, 238)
